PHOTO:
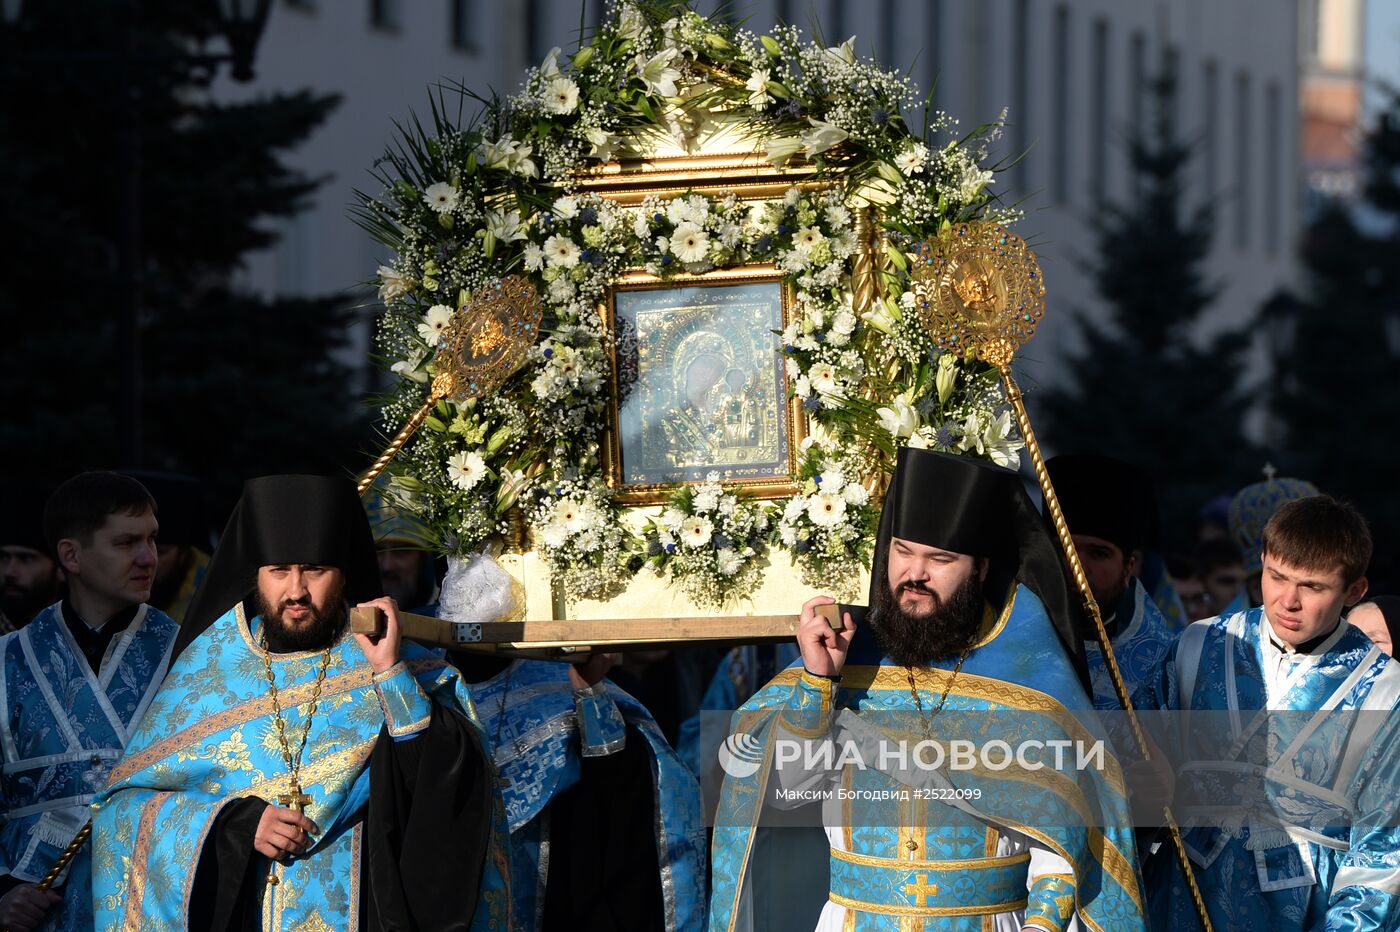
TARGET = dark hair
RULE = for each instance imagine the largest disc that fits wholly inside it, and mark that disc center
(1320, 533)
(1180, 566)
(1215, 553)
(81, 505)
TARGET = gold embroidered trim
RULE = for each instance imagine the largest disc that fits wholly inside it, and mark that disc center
(892, 910)
(908, 864)
(140, 861)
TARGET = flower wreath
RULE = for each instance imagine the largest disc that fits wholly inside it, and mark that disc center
(464, 203)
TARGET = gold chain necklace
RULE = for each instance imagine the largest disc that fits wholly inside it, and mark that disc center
(914, 689)
(910, 844)
(294, 798)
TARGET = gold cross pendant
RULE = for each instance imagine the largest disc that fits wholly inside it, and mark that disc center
(294, 798)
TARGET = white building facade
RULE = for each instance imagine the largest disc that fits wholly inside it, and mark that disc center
(1069, 71)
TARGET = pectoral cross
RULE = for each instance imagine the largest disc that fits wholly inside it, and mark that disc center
(921, 889)
(297, 801)
(294, 798)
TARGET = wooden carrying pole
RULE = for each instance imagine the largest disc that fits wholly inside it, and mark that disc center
(575, 640)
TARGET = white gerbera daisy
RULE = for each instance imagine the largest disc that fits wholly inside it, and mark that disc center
(912, 159)
(569, 515)
(561, 251)
(696, 531)
(826, 509)
(435, 324)
(561, 96)
(690, 243)
(807, 239)
(442, 197)
(466, 469)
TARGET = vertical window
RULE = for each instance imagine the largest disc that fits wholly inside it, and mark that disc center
(1059, 133)
(535, 48)
(1273, 193)
(1242, 156)
(889, 10)
(461, 25)
(1020, 91)
(933, 49)
(1210, 133)
(1137, 76)
(836, 23)
(1098, 116)
(384, 14)
(1171, 67)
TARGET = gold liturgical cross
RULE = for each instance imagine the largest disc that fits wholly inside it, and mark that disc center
(921, 889)
(294, 798)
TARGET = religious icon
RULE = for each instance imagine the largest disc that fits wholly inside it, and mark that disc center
(701, 387)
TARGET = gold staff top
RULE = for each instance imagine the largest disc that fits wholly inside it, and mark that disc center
(487, 340)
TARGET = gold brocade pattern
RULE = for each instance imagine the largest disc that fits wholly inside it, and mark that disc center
(141, 855)
(926, 911)
(246, 711)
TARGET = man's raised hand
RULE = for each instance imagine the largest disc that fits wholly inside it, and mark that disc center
(382, 652)
(823, 647)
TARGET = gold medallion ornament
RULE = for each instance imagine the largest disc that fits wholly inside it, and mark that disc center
(487, 341)
(978, 289)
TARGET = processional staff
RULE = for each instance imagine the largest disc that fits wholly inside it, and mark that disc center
(980, 292)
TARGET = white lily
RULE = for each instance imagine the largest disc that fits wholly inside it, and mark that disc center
(900, 419)
(604, 145)
(821, 136)
(782, 148)
(657, 74)
(504, 225)
(393, 284)
(549, 68)
(631, 23)
(945, 377)
(408, 370)
(757, 86)
(843, 54)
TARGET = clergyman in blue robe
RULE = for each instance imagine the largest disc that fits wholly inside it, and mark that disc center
(970, 637)
(289, 774)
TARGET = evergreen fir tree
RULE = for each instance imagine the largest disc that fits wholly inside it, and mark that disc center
(233, 385)
(1144, 387)
(1334, 394)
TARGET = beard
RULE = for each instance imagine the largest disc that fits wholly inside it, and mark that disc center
(317, 632)
(21, 603)
(913, 640)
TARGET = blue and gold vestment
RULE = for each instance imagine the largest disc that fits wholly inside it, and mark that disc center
(209, 739)
(1033, 851)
